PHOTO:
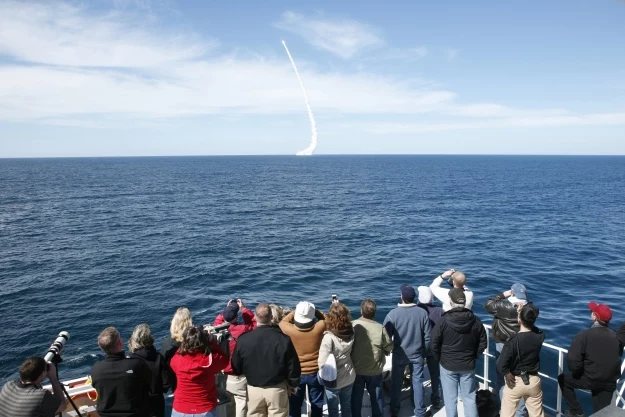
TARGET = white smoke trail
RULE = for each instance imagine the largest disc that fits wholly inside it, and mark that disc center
(313, 126)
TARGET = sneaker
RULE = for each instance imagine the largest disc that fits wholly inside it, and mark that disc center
(436, 404)
(568, 413)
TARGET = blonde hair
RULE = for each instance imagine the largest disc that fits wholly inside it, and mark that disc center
(277, 313)
(141, 337)
(182, 319)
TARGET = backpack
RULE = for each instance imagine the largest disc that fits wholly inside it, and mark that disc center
(487, 403)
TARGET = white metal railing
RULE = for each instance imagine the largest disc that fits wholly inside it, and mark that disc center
(561, 352)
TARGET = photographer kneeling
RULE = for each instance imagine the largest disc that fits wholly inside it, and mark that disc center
(519, 362)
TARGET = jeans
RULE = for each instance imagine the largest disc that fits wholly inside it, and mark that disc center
(521, 411)
(435, 377)
(373, 384)
(601, 393)
(466, 381)
(315, 394)
(397, 380)
(342, 396)
(212, 413)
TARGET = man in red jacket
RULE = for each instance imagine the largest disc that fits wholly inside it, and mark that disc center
(236, 385)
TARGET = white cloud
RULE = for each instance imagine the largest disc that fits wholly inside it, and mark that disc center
(73, 68)
(606, 119)
(62, 34)
(452, 54)
(344, 38)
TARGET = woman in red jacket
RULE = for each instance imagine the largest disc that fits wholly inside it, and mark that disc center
(195, 364)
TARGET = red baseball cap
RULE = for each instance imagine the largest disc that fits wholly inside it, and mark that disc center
(602, 311)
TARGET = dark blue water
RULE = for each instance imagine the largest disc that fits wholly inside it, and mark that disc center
(88, 243)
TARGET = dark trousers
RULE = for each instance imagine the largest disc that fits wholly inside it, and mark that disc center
(601, 393)
(316, 393)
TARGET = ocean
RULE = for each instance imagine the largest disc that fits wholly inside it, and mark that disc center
(87, 243)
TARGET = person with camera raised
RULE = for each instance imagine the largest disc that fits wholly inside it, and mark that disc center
(455, 279)
(123, 384)
(236, 385)
(505, 310)
(519, 362)
(26, 398)
(458, 340)
(305, 326)
(198, 359)
(594, 361)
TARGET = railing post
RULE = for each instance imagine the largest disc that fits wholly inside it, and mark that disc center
(486, 360)
(560, 371)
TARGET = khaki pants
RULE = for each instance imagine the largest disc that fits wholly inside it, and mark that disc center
(237, 387)
(272, 401)
(532, 393)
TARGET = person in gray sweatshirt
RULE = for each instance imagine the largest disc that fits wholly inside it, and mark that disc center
(409, 327)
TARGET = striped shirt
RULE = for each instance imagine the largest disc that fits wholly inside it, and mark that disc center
(27, 400)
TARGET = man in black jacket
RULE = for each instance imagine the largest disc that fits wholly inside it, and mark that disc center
(267, 358)
(122, 384)
(458, 340)
(505, 309)
(594, 363)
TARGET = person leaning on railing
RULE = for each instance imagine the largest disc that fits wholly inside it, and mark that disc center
(519, 363)
(594, 361)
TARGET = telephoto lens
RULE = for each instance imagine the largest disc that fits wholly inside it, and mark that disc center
(56, 347)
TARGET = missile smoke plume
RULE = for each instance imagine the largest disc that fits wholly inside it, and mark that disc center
(313, 126)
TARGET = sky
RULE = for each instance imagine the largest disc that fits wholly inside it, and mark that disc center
(162, 77)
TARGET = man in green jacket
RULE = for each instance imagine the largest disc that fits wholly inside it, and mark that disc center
(371, 346)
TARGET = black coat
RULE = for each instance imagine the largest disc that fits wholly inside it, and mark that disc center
(123, 386)
(168, 349)
(505, 322)
(458, 340)
(266, 356)
(161, 377)
(595, 354)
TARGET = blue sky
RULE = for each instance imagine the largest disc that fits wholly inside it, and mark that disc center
(124, 77)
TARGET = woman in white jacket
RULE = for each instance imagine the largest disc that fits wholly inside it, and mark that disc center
(338, 340)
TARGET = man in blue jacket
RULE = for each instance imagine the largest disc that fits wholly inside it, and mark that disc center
(409, 327)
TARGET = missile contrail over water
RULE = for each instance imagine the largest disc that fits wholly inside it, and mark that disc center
(313, 126)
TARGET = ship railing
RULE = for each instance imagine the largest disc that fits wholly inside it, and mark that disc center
(620, 392)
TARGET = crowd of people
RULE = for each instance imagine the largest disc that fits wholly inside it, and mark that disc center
(271, 360)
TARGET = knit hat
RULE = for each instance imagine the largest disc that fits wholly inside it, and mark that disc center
(602, 311)
(408, 293)
(425, 295)
(519, 291)
(456, 295)
(231, 311)
(304, 312)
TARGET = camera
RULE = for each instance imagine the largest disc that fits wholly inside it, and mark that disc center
(334, 298)
(450, 280)
(54, 352)
(525, 377)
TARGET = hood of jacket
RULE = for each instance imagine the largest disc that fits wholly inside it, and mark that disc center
(149, 353)
(460, 319)
(345, 334)
(341, 347)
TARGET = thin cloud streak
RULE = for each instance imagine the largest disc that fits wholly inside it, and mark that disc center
(606, 119)
(344, 38)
